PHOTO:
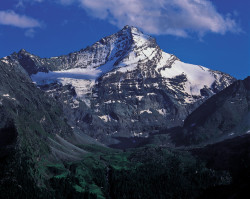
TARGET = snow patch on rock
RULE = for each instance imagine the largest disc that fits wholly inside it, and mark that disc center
(145, 111)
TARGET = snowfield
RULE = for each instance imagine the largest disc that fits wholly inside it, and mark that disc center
(197, 76)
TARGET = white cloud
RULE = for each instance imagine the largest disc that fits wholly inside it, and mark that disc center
(21, 21)
(174, 17)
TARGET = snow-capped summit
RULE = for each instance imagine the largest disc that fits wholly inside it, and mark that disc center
(127, 79)
(137, 36)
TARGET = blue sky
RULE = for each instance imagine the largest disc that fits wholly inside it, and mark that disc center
(211, 33)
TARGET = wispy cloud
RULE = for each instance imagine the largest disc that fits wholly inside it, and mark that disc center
(173, 17)
(21, 21)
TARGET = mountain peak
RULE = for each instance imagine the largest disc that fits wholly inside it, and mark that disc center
(137, 36)
(127, 77)
(132, 29)
(22, 51)
(127, 27)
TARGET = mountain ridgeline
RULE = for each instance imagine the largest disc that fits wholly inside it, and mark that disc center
(123, 85)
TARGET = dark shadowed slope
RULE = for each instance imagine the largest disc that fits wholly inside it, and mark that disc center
(223, 116)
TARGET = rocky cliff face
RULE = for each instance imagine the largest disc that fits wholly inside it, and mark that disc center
(123, 85)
